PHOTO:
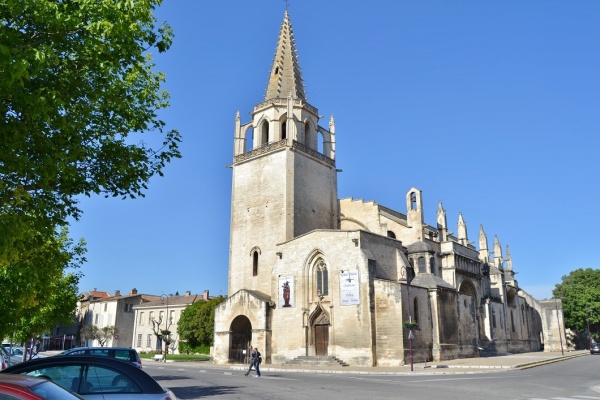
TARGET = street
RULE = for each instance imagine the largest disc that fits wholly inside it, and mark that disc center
(573, 379)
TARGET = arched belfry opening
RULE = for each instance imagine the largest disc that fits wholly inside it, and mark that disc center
(264, 133)
(240, 339)
(284, 129)
(319, 325)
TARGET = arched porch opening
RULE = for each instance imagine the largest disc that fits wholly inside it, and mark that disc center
(240, 338)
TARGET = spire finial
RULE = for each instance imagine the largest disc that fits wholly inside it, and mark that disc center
(287, 4)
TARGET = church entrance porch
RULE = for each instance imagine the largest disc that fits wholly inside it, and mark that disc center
(240, 339)
(320, 324)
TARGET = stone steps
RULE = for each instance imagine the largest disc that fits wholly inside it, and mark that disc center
(316, 361)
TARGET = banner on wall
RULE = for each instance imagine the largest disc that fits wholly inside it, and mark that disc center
(286, 291)
(349, 288)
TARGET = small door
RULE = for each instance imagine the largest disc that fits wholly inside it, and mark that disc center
(321, 339)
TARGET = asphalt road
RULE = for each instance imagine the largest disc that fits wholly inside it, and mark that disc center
(574, 379)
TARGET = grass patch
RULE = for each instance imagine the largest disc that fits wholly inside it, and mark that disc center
(179, 357)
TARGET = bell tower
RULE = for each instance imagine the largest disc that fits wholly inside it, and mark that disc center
(284, 180)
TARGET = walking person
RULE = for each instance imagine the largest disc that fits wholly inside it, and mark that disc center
(257, 361)
(250, 360)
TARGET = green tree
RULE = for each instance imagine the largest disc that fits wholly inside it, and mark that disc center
(79, 103)
(90, 332)
(106, 333)
(40, 291)
(580, 294)
(197, 323)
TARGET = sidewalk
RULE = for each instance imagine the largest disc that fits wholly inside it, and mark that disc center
(458, 366)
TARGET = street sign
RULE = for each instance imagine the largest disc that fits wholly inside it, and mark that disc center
(411, 335)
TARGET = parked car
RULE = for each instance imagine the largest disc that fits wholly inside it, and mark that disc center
(16, 355)
(595, 348)
(95, 377)
(32, 388)
(120, 353)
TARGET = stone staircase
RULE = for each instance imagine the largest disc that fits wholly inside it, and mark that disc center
(316, 361)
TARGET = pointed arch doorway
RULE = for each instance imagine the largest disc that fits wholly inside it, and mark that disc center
(240, 338)
(320, 329)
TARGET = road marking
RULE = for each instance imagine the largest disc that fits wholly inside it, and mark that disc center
(464, 379)
(587, 397)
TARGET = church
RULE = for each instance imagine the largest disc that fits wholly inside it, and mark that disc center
(312, 275)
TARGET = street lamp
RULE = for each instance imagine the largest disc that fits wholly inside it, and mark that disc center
(558, 322)
(410, 324)
(588, 329)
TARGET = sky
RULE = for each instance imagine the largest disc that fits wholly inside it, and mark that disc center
(491, 107)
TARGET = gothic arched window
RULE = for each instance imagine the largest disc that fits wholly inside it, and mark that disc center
(322, 279)
(432, 265)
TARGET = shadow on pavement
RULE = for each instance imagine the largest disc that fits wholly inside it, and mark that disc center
(194, 392)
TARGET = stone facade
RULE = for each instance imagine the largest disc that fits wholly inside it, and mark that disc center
(313, 275)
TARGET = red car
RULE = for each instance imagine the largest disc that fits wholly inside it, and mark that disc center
(31, 388)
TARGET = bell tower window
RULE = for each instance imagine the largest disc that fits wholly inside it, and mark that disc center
(413, 201)
(284, 130)
(264, 133)
(255, 263)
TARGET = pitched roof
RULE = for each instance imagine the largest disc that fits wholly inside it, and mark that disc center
(285, 75)
(172, 301)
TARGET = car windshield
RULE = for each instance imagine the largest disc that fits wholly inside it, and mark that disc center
(50, 391)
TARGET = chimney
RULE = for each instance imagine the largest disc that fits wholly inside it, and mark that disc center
(188, 293)
(134, 291)
(117, 293)
(205, 296)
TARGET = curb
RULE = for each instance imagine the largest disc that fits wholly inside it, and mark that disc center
(540, 363)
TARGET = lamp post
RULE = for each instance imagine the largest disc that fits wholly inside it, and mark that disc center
(411, 334)
(558, 322)
(588, 329)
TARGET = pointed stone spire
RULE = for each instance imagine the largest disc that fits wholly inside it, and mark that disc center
(442, 223)
(462, 230)
(441, 217)
(285, 78)
(497, 253)
(508, 259)
(484, 254)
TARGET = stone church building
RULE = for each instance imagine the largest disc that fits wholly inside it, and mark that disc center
(314, 275)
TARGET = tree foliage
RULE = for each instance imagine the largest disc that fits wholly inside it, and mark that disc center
(40, 291)
(79, 104)
(197, 323)
(580, 294)
(102, 335)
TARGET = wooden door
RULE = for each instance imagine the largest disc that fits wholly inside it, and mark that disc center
(321, 339)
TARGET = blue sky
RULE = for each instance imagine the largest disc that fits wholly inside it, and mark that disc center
(491, 107)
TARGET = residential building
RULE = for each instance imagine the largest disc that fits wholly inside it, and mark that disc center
(96, 308)
(161, 314)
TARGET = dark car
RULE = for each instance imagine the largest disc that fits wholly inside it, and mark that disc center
(32, 388)
(595, 348)
(120, 353)
(95, 377)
